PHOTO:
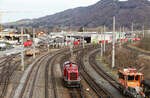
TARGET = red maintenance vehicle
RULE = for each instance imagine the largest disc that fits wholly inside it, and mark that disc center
(71, 74)
(27, 43)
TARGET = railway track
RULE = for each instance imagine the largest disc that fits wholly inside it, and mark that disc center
(92, 61)
(50, 75)
(6, 72)
(8, 68)
(74, 92)
(48, 82)
(99, 89)
(44, 80)
(7, 59)
(29, 87)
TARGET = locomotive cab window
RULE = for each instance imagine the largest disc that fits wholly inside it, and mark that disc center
(137, 77)
(131, 78)
(121, 76)
(67, 65)
(73, 64)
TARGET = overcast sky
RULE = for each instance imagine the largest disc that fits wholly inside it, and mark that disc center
(36, 8)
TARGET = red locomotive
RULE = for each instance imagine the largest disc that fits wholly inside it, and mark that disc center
(71, 74)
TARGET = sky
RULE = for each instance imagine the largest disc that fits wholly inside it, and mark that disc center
(14, 10)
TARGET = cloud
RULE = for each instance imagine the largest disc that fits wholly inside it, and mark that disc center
(42, 7)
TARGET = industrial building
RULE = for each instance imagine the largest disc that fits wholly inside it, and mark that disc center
(89, 37)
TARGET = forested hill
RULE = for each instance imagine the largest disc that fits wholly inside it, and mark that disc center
(101, 13)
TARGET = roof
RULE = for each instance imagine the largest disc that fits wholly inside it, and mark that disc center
(130, 71)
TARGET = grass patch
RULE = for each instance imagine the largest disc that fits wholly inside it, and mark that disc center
(108, 68)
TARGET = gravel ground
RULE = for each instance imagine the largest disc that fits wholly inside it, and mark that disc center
(17, 77)
(61, 90)
(100, 80)
(14, 81)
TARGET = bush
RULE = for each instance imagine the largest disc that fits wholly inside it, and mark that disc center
(123, 58)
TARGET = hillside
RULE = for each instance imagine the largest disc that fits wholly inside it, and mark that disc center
(101, 13)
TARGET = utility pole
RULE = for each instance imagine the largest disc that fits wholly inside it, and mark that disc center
(83, 37)
(123, 29)
(143, 31)
(113, 43)
(48, 47)
(132, 27)
(101, 45)
(66, 40)
(120, 36)
(48, 44)
(33, 43)
(132, 30)
(120, 29)
(80, 39)
(63, 39)
(71, 46)
(22, 51)
(104, 39)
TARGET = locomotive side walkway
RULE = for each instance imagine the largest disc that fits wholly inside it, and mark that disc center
(99, 79)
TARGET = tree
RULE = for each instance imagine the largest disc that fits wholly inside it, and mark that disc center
(80, 29)
(11, 26)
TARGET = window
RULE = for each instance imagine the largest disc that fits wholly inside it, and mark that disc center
(130, 77)
(121, 76)
(137, 77)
